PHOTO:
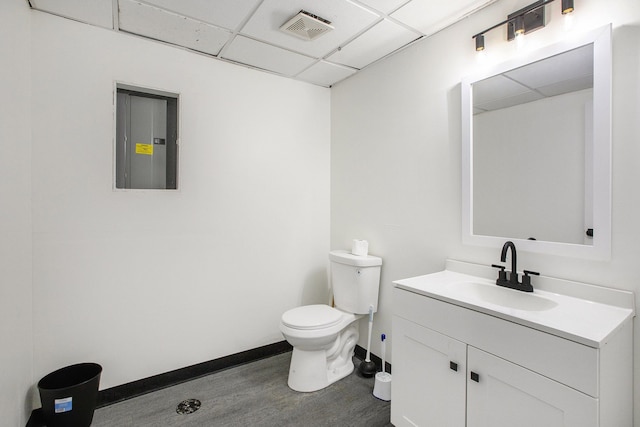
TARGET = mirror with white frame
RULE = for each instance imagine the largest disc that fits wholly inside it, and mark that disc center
(536, 151)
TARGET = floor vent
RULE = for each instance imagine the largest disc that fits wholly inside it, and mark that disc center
(306, 26)
(188, 406)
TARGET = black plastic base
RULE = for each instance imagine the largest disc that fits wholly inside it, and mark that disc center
(361, 354)
(367, 369)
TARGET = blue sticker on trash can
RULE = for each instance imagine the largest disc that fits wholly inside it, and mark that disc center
(63, 405)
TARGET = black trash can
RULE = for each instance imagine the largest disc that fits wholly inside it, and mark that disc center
(69, 395)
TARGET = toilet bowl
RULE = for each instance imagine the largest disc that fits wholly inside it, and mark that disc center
(323, 337)
(323, 340)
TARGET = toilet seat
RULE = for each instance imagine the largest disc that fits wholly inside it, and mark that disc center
(310, 317)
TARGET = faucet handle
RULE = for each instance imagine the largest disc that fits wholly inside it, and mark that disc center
(502, 275)
(526, 279)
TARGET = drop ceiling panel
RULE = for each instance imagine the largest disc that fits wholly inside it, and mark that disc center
(572, 65)
(95, 12)
(521, 98)
(496, 88)
(150, 21)
(262, 55)
(385, 6)
(248, 31)
(348, 19)
(325, 74)
(228, 14)
(429, 16)
(567, 86)
(560, 74)
(381, 40)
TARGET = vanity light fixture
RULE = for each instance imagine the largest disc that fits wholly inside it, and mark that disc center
(518, 25)
(479, 42)
(567, 6)
(523, 21)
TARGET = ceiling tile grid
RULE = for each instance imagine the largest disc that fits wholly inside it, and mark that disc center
(228, 14)
(348, 19)
(429, 17)
(379, 41)
(267, 57)
(248, 32)
(159, 24)
(384, 6)
(545, 78)
(324, 73)
(94, 12)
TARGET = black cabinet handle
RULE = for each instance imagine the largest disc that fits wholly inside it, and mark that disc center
(475, 377)
(453, 366)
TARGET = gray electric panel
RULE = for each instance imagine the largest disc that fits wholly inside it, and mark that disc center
(146, 137)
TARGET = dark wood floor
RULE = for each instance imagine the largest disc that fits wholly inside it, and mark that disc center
(255, 394)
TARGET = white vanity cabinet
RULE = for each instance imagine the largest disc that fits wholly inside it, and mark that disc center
(505, 394)
(429, 377)
(460, 362)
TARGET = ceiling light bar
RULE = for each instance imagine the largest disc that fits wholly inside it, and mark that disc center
(523, 21)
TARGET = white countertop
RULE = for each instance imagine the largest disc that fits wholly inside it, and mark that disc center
(587, 321)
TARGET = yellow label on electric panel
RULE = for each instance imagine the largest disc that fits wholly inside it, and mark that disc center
(144, 149)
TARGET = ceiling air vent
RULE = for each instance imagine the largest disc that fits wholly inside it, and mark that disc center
(306, 26)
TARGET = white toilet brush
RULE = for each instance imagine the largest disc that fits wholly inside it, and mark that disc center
(382, 387)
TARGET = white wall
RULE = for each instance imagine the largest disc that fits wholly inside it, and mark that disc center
(395, 153)
(144, 282)
(15, 215)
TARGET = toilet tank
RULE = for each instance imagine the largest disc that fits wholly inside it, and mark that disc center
(355, 280)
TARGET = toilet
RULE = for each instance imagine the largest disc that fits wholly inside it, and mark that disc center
(324, 337)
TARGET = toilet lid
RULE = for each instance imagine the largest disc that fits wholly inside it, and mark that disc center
(311, 317)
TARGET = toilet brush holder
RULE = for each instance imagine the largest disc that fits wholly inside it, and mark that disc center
(382, 387)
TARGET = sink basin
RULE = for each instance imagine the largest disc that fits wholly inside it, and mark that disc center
(584, 313)
(505, 297)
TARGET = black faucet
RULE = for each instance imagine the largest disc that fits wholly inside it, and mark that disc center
(513, 282)
(513, 276)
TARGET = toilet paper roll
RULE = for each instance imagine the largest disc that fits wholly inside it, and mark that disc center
(360, 247)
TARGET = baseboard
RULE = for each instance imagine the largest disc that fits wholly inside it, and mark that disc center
(158, 382)
(361, 354)
(133, 389)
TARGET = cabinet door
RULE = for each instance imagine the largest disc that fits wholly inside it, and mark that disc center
(505, 395)
(429, 380)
